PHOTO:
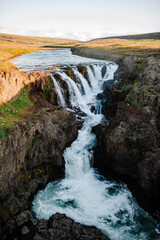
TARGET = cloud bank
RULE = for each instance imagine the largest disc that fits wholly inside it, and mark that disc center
(77, 35)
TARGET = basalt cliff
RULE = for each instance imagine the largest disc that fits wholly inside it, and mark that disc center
(128, 144)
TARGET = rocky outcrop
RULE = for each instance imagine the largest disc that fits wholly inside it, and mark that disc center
(106, 97)
(58, 227)
(31, 152)
(11, 84)
(34, 148)
(129, 144)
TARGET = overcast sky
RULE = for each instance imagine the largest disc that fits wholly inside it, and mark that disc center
(79, 19)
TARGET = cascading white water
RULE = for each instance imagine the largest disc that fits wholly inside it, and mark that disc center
(84, 195)
(75, 95)
(92, 79)
(111, 68)
(97, 72)
(61, 100)
(83, 81)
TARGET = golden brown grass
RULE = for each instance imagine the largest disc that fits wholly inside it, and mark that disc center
(12, 46)
(15, 45)
(141, 48)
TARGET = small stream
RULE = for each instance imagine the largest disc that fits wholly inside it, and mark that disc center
(83, 194)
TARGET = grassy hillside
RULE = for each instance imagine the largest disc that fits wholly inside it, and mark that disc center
(14, 45)
(155, 35)
(125, 47)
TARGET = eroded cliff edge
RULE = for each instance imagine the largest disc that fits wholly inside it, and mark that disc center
(31, 146)
(128, 145)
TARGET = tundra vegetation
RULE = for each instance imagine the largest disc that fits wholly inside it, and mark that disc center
(141, 47)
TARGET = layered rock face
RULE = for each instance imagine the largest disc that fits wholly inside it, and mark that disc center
(32, 153)
(11, 84)
(129, 144)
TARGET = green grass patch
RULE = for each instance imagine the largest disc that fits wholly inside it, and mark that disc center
(157, 111)
(129, 100)
(22, 102)
(11, 112)
(141, 65)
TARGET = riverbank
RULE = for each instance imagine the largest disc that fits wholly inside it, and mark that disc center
(129, 145)
(12, 46)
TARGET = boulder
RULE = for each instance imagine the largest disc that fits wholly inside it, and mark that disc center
(59, 227)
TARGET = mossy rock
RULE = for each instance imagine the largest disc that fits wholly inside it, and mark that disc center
(4, 214)
(83, 70)
(70, 73)
(2, 132)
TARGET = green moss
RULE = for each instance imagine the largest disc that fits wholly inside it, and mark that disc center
(2, 132)
(70, 73)
(11, 112)
(50, 80)
(124, 89)
(35, 142)
(47, 90)
(129, 100)
(18, 105)
(122, 110)
(82, 69)
(136, 151)
(40, 170)
(29, 176)
(157, 111)
(21, 178)
(22, 102)
(4, 214)
(140, 65)
(48, 86)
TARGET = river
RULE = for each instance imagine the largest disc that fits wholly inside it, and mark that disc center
(83, 194)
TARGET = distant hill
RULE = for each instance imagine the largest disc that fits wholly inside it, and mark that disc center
(155, 35)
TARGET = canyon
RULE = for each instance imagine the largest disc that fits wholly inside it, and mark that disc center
(127, 143)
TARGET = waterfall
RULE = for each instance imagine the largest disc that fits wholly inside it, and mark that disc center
(83, 194)
(92, 78)
(83, 81)
(110, 72)
(82, 91)
(75, 95)
(61, 100)
(97, 72)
